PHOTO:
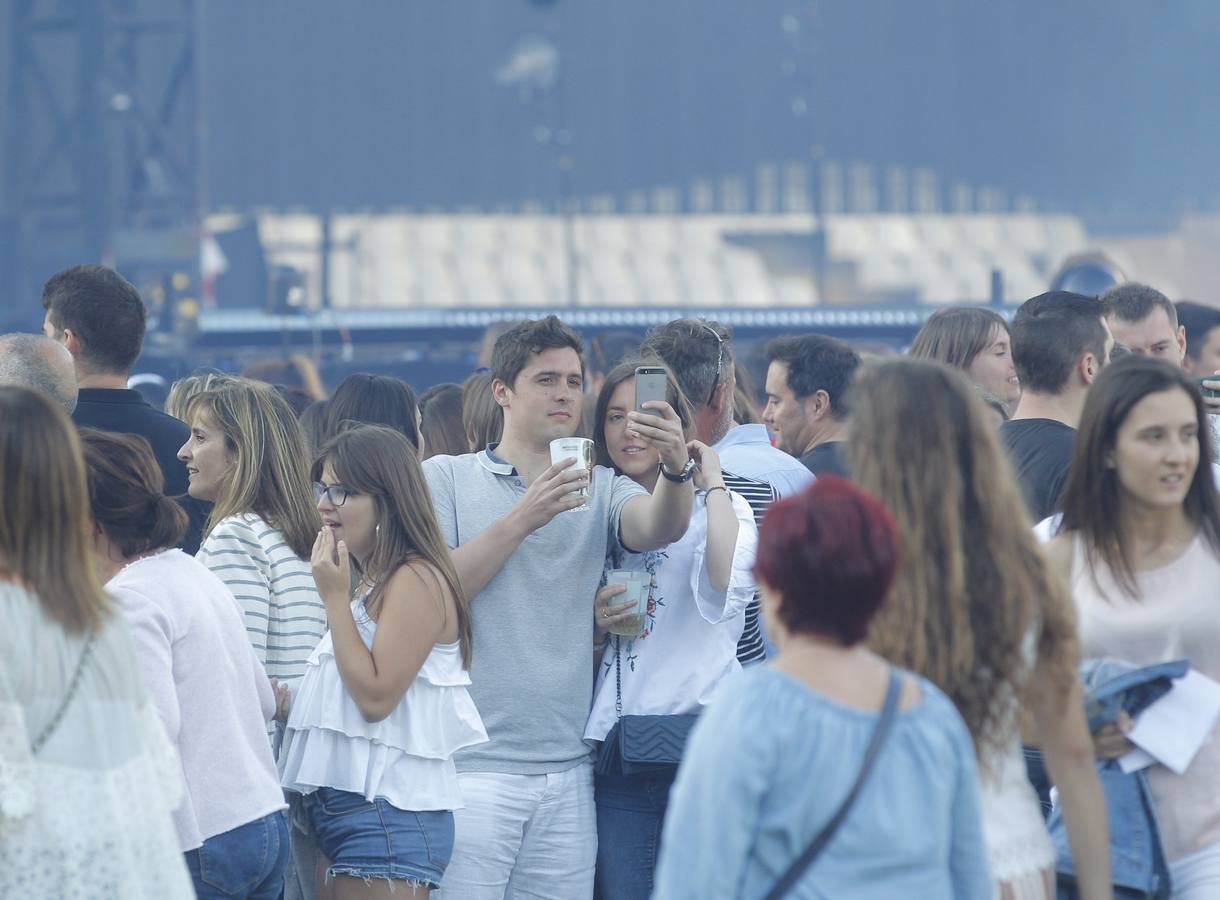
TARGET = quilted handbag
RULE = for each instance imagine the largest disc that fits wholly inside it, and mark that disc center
(640, 744)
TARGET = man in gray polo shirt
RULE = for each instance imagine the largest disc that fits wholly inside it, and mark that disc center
(531, 564)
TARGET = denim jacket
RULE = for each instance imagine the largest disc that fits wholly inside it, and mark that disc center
(1137, 860)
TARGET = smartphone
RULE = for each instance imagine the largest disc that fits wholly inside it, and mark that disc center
(1207, 392)
(650, 384)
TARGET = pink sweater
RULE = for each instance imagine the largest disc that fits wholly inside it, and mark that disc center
(211, 691)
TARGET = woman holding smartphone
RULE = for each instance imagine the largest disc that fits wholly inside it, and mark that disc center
(685, 643)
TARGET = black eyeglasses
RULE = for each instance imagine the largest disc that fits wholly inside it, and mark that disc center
(336, 494)
(719, 360)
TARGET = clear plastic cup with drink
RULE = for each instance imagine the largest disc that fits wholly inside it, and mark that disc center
(637, 586)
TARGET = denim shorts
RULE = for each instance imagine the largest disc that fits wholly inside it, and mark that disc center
(372, 839)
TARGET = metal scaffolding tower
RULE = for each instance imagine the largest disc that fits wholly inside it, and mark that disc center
(102, 133)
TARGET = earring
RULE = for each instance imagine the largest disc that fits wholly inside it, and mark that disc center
(377, 531)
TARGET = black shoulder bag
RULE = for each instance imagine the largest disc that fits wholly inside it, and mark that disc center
(815, 848)
(637, 745)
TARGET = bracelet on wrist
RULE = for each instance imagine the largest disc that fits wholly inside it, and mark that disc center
(717, 487)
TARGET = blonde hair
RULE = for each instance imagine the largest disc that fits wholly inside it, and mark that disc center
(44, 519)
(184, 389)
(973, 582)
(270, 474)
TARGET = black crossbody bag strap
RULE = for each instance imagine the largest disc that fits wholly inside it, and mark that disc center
(815, 848)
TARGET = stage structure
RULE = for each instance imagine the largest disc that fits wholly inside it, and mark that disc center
(102, 133)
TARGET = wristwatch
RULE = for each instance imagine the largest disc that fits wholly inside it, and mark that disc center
(687, 473)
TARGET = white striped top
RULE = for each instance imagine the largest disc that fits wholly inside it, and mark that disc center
(285, 617)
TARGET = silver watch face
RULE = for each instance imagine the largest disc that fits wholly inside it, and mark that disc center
(686, 474)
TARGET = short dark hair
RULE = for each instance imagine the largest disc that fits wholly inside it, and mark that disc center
(1199, 321)
(515, 347)
(103, 310)
(1049, 332)
(364, 399)
(831, 552)
(817, 363)
(1132, 302)
(127, 493)
(696, 351)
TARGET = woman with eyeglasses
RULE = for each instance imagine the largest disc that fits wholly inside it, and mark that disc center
(384, 704)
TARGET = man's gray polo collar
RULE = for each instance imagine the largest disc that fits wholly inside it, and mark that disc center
(493, 463)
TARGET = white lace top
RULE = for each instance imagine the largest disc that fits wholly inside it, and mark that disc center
(1019, 848)
(88, 816)
(407, 757)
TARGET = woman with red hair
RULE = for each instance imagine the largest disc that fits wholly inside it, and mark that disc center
(773, 790)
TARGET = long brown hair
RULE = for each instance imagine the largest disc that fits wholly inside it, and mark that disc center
(44, 519)
(956, 336)
(382, 463)
(270, 474)
(615, 377)
(1092, 498)
(482, 417)
(973, 580)
(440, 425)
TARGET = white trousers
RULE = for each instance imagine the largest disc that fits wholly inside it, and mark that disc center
(523, 836)
(1197, 876)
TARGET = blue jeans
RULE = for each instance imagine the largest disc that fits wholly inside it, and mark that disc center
(630, 813)
(247, 862)
(374, 839)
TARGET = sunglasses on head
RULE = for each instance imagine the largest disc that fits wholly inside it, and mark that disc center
(719, 359)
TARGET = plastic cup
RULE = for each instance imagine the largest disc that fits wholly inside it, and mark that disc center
(580, 449)
(637, 585)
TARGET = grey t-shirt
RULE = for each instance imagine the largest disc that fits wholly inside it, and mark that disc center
(532, 672)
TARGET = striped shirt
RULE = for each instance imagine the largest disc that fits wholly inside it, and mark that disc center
(284, 615)
(760, 495)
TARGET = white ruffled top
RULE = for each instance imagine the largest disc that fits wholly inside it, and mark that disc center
(407, 757)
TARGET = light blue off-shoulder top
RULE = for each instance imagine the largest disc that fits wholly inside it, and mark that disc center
(769, 763)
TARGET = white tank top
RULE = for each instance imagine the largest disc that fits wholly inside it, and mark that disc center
(407, 757)
(1176, 614)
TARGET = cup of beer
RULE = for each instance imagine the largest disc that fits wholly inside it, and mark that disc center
(637, 586)
(580, 449)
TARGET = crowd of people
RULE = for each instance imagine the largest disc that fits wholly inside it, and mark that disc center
(884, 635)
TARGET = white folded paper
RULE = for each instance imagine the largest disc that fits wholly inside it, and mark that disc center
(1172, 729)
